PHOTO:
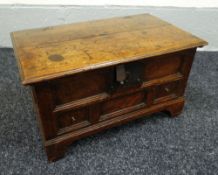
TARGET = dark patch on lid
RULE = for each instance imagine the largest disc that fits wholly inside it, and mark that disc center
(102, 34)
(55, 57)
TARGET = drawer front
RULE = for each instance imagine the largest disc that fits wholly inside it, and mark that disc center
(71, 120)
(167, 91)
(122, 104)
(74, 119)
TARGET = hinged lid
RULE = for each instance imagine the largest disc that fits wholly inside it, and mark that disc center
(53, 52)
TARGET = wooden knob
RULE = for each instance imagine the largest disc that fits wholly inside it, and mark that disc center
(167, 89)
(73, 119)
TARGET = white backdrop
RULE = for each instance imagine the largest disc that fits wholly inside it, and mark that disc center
(165, 3)
(20, 14)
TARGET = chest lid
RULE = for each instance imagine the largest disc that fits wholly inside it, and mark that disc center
(53, 52)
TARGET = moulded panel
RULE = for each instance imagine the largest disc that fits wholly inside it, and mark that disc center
(167, 91)
(161, 66)
(72, 119)
(79, 86)
(123, 104)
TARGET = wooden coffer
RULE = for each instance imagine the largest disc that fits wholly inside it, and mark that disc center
(91, 76)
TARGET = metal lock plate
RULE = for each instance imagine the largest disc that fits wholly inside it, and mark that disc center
(127, 75)
(120, 74)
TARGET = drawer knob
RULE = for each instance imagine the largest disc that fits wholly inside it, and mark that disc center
(73, 119)
(167, 89)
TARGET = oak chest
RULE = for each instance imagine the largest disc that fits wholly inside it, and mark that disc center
(91, 76)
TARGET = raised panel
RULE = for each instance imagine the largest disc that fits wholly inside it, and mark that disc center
(167, 91)
(79, 86)
(123, 104)
(161, 66)
(72, 119)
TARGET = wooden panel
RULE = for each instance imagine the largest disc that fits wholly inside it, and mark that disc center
(72, 117)
(48, 53)
(123, 102)
(79, 86)
(161, 66)
(167, 91)
(81, 102)
(45, 104)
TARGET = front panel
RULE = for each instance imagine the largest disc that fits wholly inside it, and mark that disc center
(82, 100)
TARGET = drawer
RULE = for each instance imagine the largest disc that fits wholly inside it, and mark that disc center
(123, 104)
(167, 91)
(71, 120)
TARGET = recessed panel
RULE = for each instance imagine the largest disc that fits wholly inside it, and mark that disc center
(72, 119)
(161, 66)
(167, 91)
(123, 102)
(79, 86)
